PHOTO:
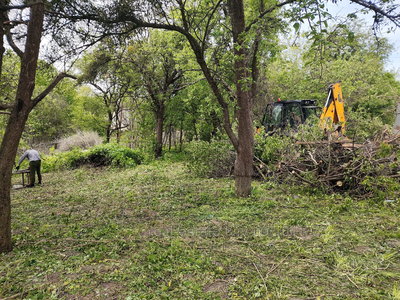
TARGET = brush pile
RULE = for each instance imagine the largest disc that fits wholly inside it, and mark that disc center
(359, 169)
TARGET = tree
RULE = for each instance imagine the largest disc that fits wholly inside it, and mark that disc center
(19, 111)
(158, 76)
(104, 70)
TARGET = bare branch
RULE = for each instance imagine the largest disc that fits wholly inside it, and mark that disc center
(394, 18)
(13, 46)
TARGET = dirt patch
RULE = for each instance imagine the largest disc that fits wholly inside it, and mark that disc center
(300, 232)
(53, 278)
(108, 290)
(219, 287)
(147, 214)
(393, 243)
(362, 249)
(98, 268)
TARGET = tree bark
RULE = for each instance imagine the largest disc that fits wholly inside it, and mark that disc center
(244, 158)
(16, 122)
(109, 126)
(3, 18)
(181, 136)
(8, 151)
(160, 111)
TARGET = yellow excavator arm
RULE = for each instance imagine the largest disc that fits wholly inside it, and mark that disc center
(332, 117)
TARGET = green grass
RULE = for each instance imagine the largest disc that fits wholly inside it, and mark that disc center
(155, 232)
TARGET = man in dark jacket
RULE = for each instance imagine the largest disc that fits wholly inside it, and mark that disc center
(34, 165)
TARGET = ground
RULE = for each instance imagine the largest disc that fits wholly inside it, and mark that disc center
(156, 232)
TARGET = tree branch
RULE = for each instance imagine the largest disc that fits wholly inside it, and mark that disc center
(267, 11)
(10, 7)
(206, 31)
(51, 86)
(13, 46)
(4, 106)
(395, 19)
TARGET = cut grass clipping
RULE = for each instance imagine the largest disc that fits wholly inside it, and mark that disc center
(157, 232)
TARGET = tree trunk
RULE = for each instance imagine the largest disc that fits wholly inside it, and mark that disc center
(169, 137)
(244, 157)
(8, 151)
(2, 32)
(181, 137)
(108, 127)
(16, 122)
(159, 129)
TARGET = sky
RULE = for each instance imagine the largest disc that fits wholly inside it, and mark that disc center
(344, 7)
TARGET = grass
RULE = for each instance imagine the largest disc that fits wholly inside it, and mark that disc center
(155, 232)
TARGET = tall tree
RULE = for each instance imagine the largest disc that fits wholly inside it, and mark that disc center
(158, 75)
(19, 111)
(104, 70)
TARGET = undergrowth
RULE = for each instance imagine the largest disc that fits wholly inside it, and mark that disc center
(98, 156)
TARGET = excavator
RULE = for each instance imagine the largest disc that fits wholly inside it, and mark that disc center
(287, 114)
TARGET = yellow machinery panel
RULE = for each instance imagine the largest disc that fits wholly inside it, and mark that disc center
(332, 117)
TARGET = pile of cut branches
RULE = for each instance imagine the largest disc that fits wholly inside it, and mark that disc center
(359, 169)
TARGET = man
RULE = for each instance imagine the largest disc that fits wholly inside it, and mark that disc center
(34, 165)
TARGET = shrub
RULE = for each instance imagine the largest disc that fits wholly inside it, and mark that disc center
(271, 149)
(64, 160)
(381, 187)
(82, 139)
(101, 155)
(210, 159)
(114, 155)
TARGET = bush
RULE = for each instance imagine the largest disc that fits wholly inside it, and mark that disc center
(82, 139)
(65, 160)
(271, 149)
(210, 159)
(98, 156)
(114, 155)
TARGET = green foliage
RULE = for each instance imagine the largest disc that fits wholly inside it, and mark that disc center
(9, 76)
(64, 160)
(271, 149)
(88, 112)
(114, 155)
(98, 156)
(381, 187)
(360, 125)
(210, 159)
(281, 146)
